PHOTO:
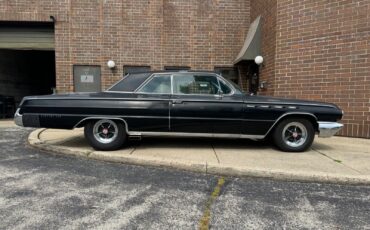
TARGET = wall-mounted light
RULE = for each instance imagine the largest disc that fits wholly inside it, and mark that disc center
(111, 65)
(258, 60)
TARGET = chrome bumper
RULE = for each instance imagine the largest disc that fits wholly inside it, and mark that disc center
(328, 129)
(18, 118)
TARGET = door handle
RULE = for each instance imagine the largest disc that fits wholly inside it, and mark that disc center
(177, 101)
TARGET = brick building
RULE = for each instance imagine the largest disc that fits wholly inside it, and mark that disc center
(315, 49)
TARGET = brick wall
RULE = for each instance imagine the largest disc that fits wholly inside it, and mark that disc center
(198, 34)
(267, 10)
(322, 53)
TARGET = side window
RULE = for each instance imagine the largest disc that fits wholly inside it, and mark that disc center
(195, 84)
(225, 89)
(158, 84)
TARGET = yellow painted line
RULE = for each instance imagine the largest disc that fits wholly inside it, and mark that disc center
(204, 221)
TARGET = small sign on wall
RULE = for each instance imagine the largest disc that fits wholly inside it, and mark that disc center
(86, 78)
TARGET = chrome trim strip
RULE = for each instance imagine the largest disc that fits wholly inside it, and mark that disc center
(221, 119)
(109, 118)
(18, 120)
(288, 103)
(212, 135)
(286, 114)
(328, 129)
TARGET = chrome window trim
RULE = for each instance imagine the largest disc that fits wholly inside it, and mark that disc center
(151, 77)
(171, 84)
(218, 77)
(117, 82)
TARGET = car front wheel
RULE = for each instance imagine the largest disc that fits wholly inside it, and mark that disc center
(294, 135)
(105, 134)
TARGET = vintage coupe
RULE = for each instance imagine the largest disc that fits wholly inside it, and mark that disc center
(190, 104)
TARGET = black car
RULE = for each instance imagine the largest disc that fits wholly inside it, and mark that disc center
(190, 104)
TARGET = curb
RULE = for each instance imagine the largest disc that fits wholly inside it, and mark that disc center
(35, 142)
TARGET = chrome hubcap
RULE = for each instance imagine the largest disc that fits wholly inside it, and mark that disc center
(294, 134)
(105, 131)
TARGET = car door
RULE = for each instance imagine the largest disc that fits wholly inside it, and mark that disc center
(150, 111)
(199, 106)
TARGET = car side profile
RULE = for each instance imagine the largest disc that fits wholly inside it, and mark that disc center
(190, 104)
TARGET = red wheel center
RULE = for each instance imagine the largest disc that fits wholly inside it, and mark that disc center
(105, 131)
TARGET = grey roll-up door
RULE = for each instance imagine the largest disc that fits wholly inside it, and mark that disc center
(26, 37)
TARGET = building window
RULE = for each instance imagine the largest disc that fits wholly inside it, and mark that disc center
(230, 73)
(176, 68)
(135, 69)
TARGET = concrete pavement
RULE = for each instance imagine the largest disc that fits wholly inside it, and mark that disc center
(336, 159)
(5, 123)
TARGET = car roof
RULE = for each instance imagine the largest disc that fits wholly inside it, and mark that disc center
(174, 71)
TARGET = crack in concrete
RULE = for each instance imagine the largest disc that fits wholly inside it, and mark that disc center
(214, 151)
(336, 161)
(132, 151)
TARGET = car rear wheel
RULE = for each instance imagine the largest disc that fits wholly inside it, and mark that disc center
(294, 135)
(105, 134)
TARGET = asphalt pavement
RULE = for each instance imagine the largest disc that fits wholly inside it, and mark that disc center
(44, 191)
